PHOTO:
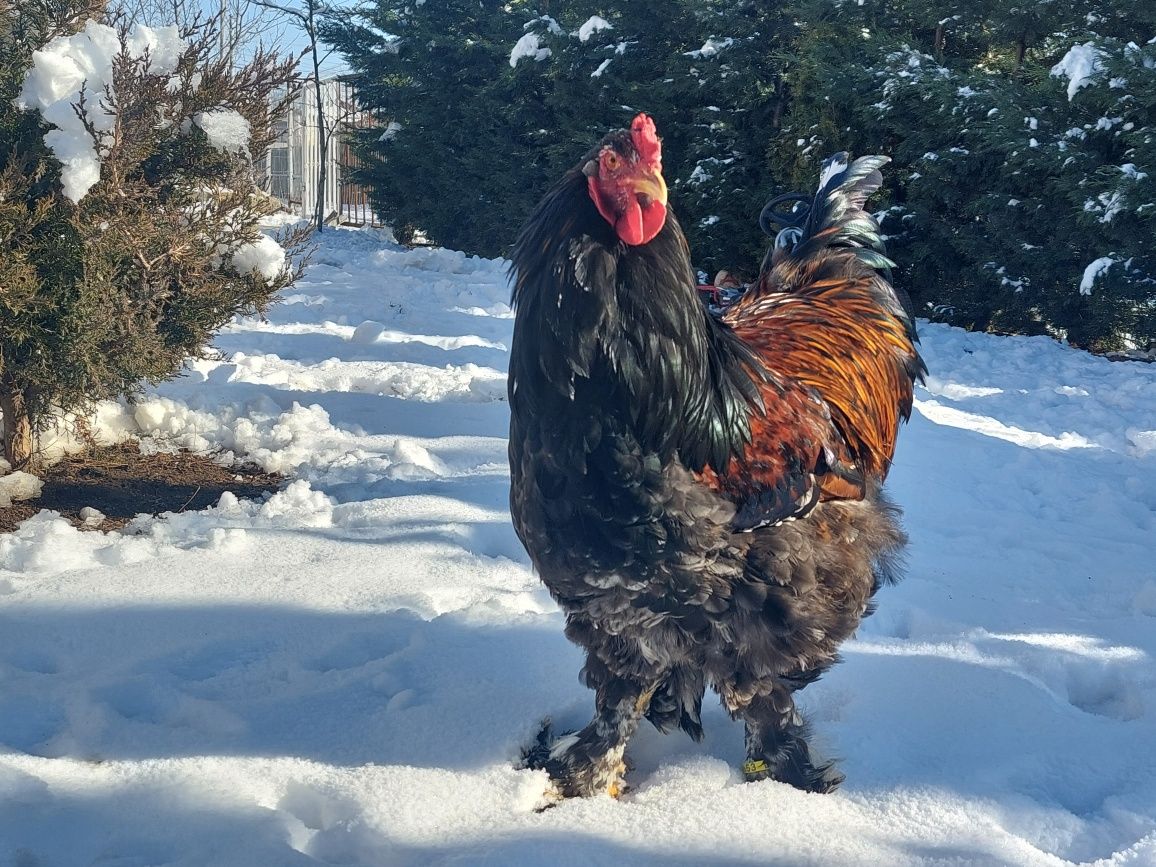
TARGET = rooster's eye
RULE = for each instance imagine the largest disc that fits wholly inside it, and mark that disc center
(611, 160)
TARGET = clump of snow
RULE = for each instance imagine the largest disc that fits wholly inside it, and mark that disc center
(1144, 441)
(92, 517)
(1080, 66)
(163, 45)
(265, 256)
(226, 129)
(711, 48)
(19, 485)
(297, 505)
(367, 332)
(602, 67)
(528, 46)
(551, 24)
(391, 130)
(70, 66)
(593, 25)
(1094, 271)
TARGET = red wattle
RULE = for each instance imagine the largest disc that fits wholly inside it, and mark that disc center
(653, 219)
(630, 224)
(635, 225)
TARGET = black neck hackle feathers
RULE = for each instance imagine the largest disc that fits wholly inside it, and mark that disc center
(624, 325)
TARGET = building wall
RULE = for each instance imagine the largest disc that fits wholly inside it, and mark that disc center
(292, 163)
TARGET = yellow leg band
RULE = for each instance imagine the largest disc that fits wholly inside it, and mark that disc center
(756, 766)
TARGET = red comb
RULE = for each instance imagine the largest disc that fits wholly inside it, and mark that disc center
(645, 136)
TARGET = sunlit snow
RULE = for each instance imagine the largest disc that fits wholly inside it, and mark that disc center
(345, 672)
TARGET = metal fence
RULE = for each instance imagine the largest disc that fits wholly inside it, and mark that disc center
(293, 162)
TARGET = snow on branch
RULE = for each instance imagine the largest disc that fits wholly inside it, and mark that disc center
(1080, 65)
(1094, 272)
(78, 69)
(528, 46)
(225, 129)
(593, 25)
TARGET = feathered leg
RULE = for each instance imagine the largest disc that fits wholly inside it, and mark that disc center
(777, 737)
(592, 761)
(678, 702)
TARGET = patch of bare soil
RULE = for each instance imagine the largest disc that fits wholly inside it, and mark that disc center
(123, 483)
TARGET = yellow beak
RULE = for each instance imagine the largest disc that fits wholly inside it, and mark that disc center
(650, 188)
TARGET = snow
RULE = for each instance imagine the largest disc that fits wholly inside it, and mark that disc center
(592, 25)
(163, 45)
(1080, 65)
(1093, 273)
(551, 23)
(83, 62)
(344, 673)
(528, 46)
(225, 128)
(602, 67)
(711, 48)
(265, 256)
(19, 486)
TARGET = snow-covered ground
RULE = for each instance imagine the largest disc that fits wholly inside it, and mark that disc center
(344, 674)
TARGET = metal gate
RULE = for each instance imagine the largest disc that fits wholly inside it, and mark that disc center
(293, 162)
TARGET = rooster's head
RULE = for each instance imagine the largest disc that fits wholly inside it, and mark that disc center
(625, 180)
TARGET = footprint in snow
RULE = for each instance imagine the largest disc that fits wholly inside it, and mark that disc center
(140, 701)
(1105, 693)
(314, 809)
(327, 827)
(30, 661)
(360, 649)
(28, 723)
(213, 660)
(1084, 671)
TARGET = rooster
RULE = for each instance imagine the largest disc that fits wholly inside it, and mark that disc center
(701, 495)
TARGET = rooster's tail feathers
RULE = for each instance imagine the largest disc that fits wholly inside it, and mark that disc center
(837, 217)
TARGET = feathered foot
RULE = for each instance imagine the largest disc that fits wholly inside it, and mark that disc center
(777, 744)
(592, 761)
(575, 770)
(792, 763)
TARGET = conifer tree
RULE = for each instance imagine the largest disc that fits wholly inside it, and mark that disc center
(531, 91)
(457, 155)
(1007, 183)
(739, 72)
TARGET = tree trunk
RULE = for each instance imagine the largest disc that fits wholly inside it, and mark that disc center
(322, 130)
(780, 105)
(940, 41)
(17, 427)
